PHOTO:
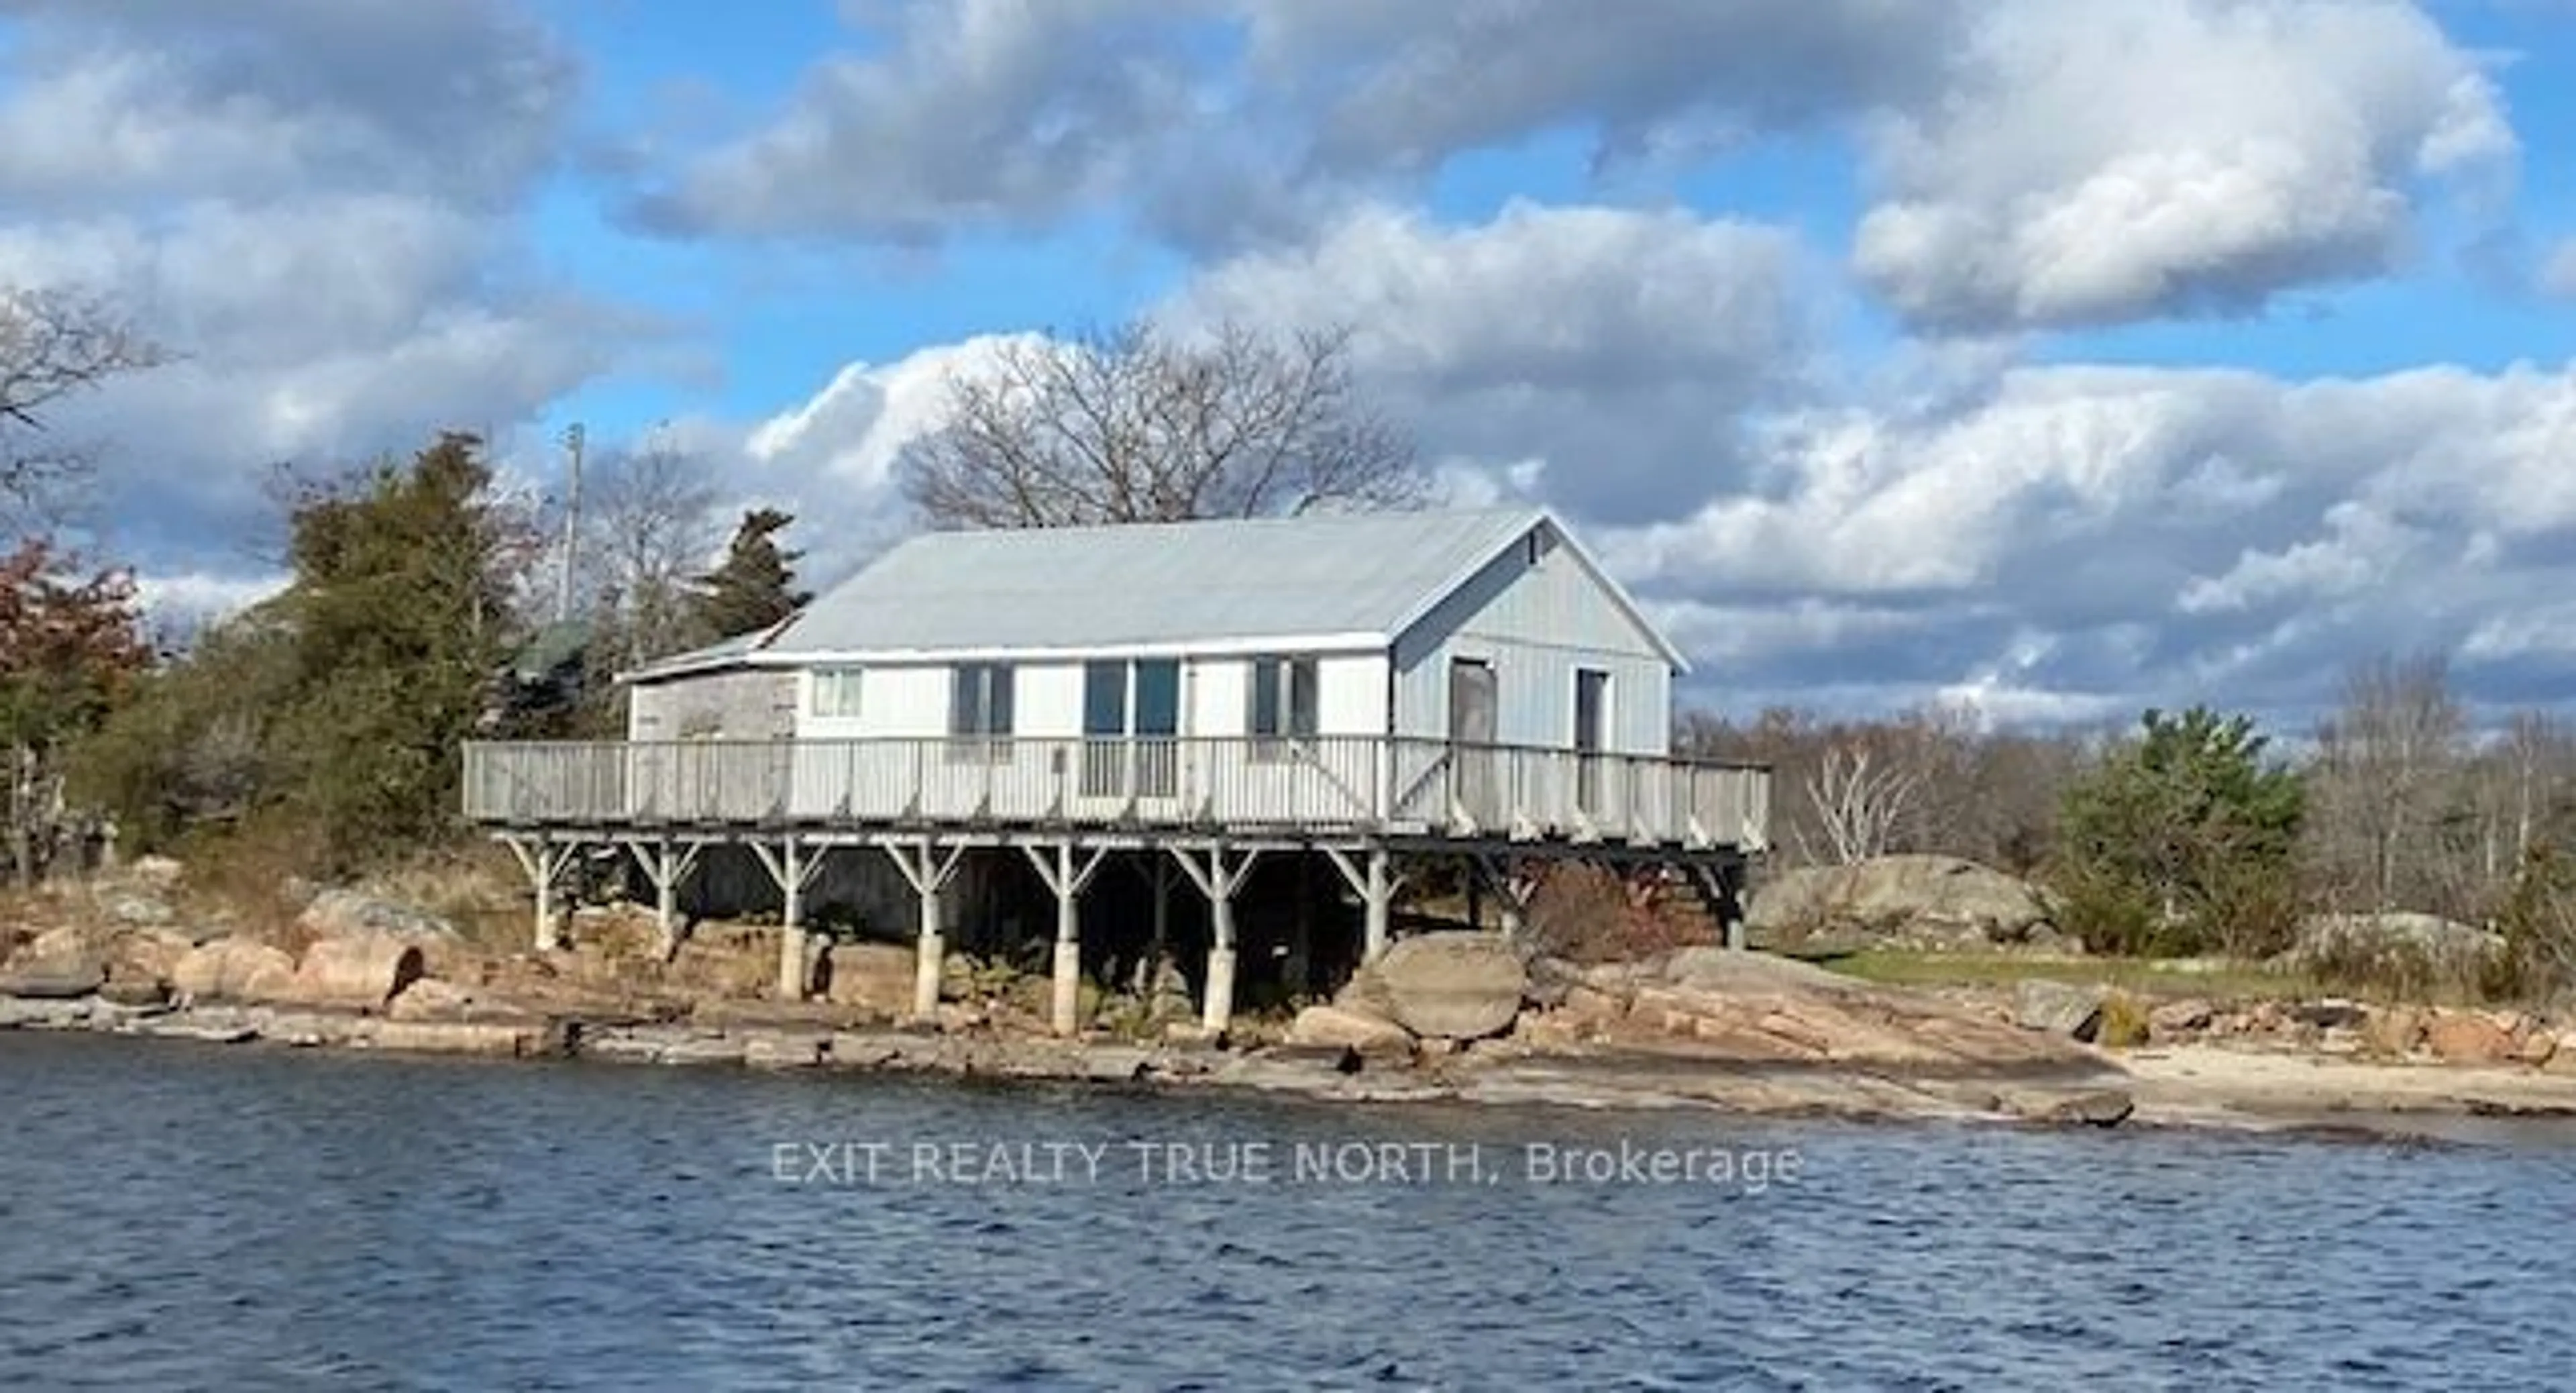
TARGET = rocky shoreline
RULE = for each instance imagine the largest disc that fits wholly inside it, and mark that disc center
(1443, 1017)
(2204, 1085)
(1487, 1072)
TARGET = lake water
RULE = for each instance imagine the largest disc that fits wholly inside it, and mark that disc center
(175, 1216)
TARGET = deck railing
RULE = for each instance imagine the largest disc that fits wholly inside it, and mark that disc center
(1332, 784)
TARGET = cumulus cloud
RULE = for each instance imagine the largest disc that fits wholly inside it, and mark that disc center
(1225, 122)
(1598, 357)
(832, 457)
(988, 110)
(110, 100)
(2135, 158)
(2037, 542)
(1405, 87)
(2125, 534)
(325, 241)
(2030, 163)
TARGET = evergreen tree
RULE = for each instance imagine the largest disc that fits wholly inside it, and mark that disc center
(2182, 840)
(756, 585)
(399, 618)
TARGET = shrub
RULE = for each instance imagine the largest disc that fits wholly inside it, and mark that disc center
(2124, 1022)
(1589, 914)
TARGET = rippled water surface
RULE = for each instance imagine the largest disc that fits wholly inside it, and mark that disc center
(174, 1216)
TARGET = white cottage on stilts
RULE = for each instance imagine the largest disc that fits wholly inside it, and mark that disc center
(1362, 692)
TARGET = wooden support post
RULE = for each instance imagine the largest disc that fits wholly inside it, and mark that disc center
(1300, 966)
(1162, 949)
(1379, 893)
(928, 873)
(1219, 882)
(544, 861)
(929, 955)
(1159, 875)
(1376, 888)
(1068, 880)
(793, 868)
(666, 863)
(1718, 890)
(1512, 892)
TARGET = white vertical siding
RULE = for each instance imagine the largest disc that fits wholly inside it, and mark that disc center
(1352, 694)
(1048, 700)
(907, 699)
(1537, 623)
(1218, 692)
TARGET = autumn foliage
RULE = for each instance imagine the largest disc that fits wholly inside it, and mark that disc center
(70, 646)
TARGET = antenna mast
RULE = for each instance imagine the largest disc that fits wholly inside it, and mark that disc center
(572, 440)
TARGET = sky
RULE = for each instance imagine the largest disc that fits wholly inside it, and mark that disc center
(2050, 359)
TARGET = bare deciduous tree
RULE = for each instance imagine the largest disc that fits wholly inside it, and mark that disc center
(2386, 765)
(53, 345)
(649, 527)
(1861, 797)
(1136, 425)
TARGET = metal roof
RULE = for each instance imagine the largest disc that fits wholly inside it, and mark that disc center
(722, 653)
(1356, 574)
(1355, 578)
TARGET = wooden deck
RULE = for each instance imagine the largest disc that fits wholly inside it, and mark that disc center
(1362, 788)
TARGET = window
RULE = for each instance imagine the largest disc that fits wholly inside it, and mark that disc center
(836, 692)
(1591, 709)
(1285, 704)
(1591, 726)
(979, 704)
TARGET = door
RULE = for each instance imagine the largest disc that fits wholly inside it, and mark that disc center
(1104, 730)
(1131, 723)
(1157, 728)
(1591, 725)
(1473, 705)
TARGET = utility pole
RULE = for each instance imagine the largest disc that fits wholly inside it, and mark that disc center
(572, 439)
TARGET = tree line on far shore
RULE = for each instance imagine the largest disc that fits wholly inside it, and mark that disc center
(427, 605)
(2192, 833)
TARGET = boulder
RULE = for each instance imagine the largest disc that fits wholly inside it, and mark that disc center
(773, 1050)
(126, 904)
(361, 969)
(456, 1037)
(876, 976)
(1548, 1030)
(146, 953)
(1452, 986)
(1593, 1004)
(1939, 901)
(2175, 1020)
(341, 913)
(139, 993)
(2394, 1031)
(2468, 1037)
(2093, 1107)
(57, 979)
(726, 960)
(2562, 1060)
(1336, 1027)
(232, 969)
(2395, 944)
(435, 999)
(2058, 1008)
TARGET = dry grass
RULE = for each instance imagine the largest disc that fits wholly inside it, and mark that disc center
(2152, 977)
(476, 886)
(249, 881)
